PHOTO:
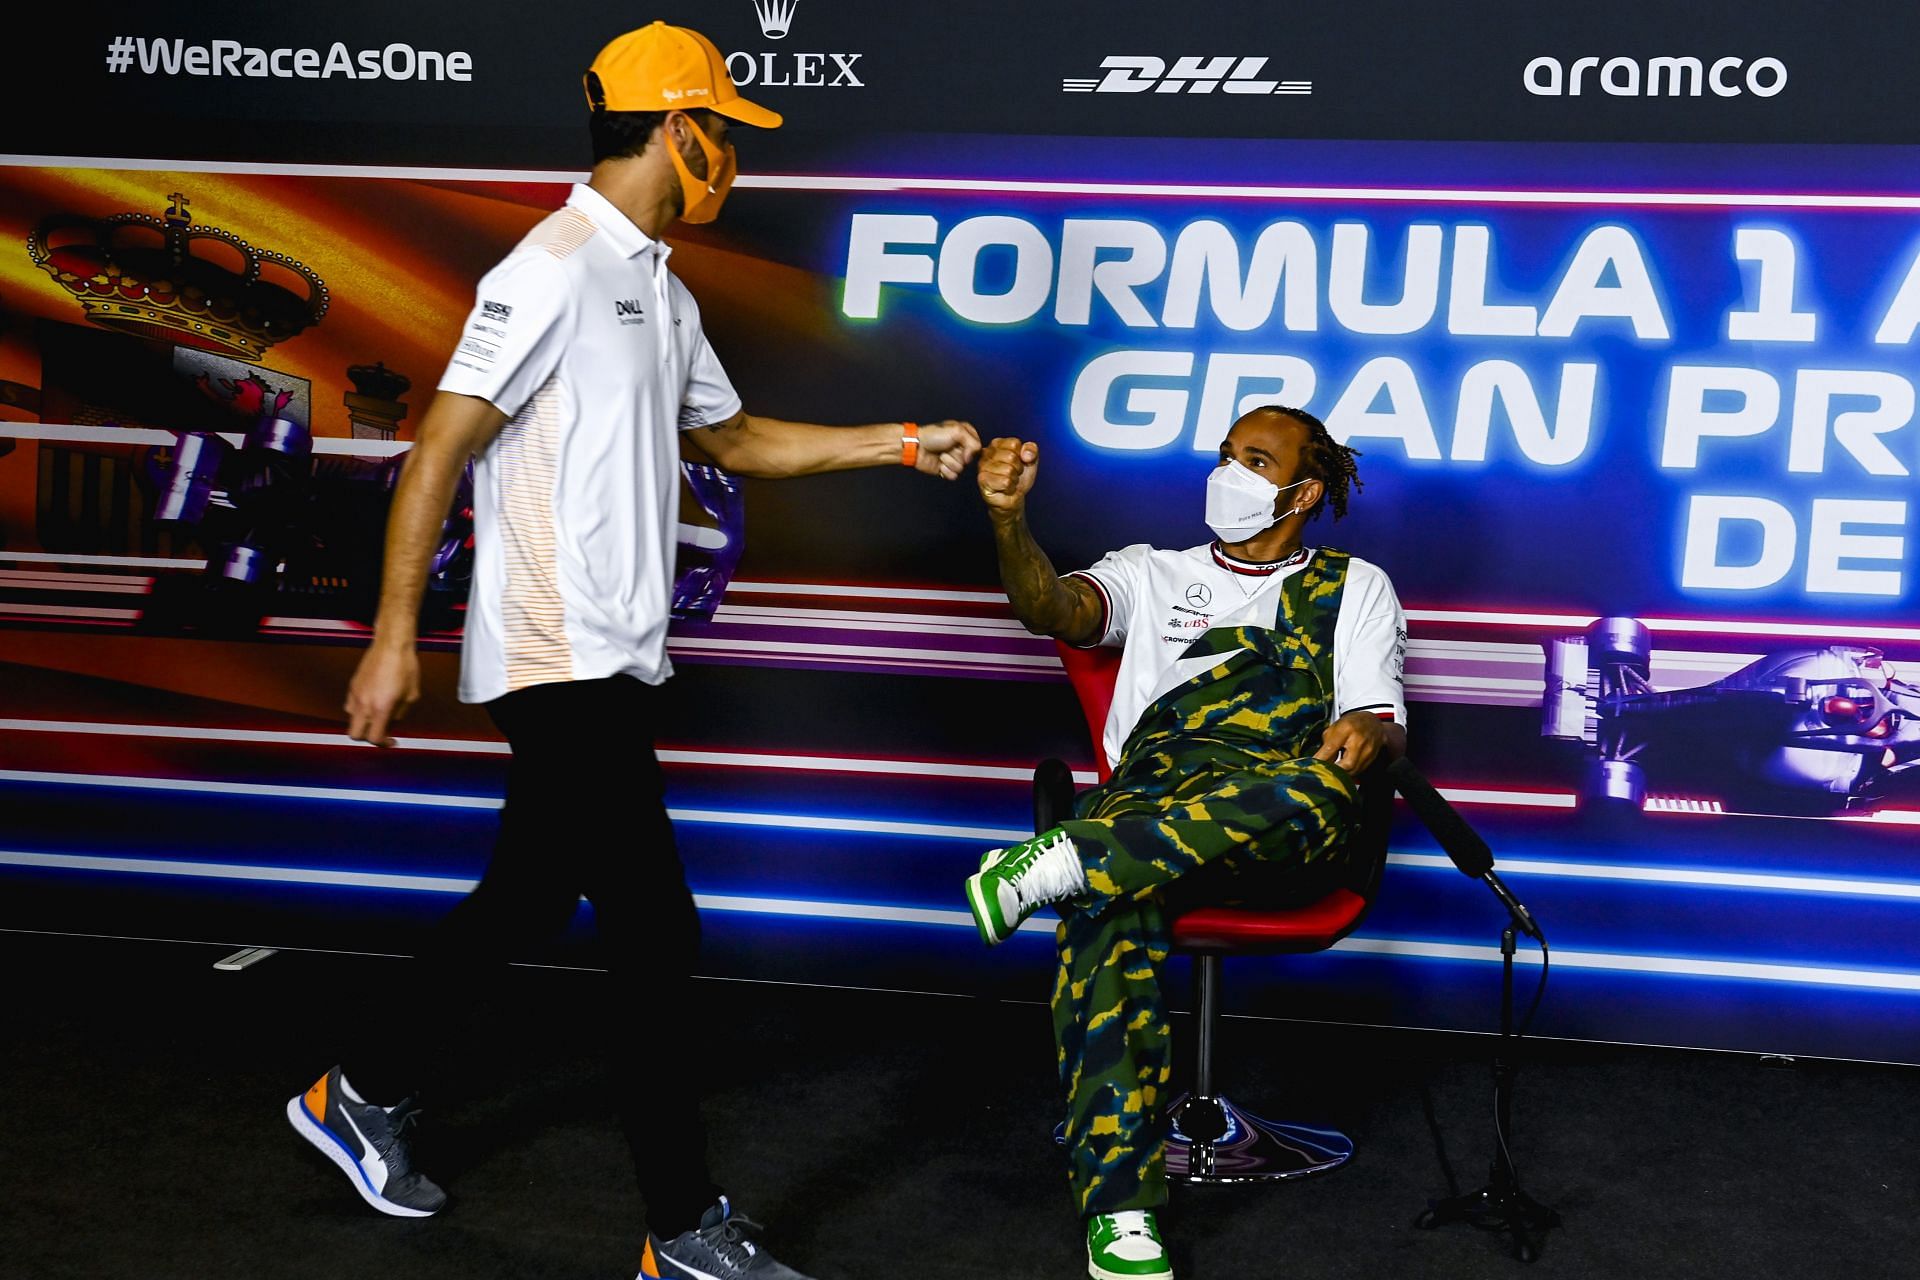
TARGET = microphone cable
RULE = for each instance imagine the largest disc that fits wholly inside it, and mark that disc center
(1513, 1068)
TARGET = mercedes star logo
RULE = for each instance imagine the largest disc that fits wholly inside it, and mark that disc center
(1198, 596)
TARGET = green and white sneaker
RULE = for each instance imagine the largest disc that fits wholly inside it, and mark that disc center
(1126, 1246)
(1017, 881)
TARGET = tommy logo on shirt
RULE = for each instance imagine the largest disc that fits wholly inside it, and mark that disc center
(629, 311)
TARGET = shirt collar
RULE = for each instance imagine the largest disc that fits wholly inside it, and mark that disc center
(1233, 564)
(619, 228)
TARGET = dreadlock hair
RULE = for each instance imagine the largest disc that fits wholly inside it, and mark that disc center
(1324, 459)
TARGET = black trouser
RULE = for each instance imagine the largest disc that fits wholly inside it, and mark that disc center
(585, 815)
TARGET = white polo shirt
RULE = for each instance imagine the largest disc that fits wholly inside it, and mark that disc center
(594, 351)
(1158, 602)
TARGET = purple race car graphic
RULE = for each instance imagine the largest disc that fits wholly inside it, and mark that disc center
(289, 531)
(1802, 730)
(709, 552)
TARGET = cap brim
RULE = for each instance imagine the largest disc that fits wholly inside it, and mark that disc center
(748, 113)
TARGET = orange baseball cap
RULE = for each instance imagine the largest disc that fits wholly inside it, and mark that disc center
(664, 68)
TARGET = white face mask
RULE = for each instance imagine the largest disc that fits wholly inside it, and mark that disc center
(1240, 504)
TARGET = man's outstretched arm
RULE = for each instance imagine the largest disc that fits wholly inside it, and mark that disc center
(769, 449)
(1067, 609)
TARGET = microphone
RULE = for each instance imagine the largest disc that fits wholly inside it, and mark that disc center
(1459, 841)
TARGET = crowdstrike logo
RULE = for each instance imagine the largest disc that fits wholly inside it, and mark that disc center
(1127, 73)
(1546, 77)
(772, 70)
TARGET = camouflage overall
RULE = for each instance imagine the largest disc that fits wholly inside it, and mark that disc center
(1218, 774)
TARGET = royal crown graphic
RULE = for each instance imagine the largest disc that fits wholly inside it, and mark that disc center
(175, 281)
(776, 16)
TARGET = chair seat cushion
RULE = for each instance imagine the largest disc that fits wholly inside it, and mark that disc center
(1245, 930)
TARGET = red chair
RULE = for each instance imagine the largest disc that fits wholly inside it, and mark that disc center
(1212, 1140)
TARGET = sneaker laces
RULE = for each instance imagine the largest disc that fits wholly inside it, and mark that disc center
(1134, 1238)
(393, 1147)
(1054, 873)
(732, 1239)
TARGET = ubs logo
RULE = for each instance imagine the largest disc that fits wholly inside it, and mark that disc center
(1198, 596)
(629, 311)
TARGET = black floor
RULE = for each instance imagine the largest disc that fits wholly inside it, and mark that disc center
(881, 1136)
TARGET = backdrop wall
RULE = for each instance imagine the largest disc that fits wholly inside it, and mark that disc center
(1622, 329)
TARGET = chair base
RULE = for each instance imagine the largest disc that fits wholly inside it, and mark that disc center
(1250, 1149)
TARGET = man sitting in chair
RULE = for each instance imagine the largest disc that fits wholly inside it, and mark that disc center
(1260, 677)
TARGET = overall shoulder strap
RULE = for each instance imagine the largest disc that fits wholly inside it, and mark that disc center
(1310, 606)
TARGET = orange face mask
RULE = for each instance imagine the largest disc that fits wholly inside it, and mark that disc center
(704, 198)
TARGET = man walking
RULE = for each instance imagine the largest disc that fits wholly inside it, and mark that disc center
(581, 369)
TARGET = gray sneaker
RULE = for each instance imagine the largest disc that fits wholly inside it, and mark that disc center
(723, 1247)
(368, 1143)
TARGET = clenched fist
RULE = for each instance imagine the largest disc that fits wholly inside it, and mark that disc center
(946, 448)
(1007, 470)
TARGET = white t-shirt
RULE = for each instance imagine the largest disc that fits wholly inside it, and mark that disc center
(594, 350)
(1158, 602)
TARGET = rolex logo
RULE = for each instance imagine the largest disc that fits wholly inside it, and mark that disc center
(790, 68)
(776, 17)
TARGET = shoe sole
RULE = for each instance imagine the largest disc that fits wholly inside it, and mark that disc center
(977, 901)
(332, 1148)
(1098, 1272)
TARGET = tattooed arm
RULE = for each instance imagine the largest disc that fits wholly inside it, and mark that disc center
(1067, 609)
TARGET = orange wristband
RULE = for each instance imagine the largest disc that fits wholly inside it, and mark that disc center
(909, 443)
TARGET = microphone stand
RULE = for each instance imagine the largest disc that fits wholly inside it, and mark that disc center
(1501, 1206)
